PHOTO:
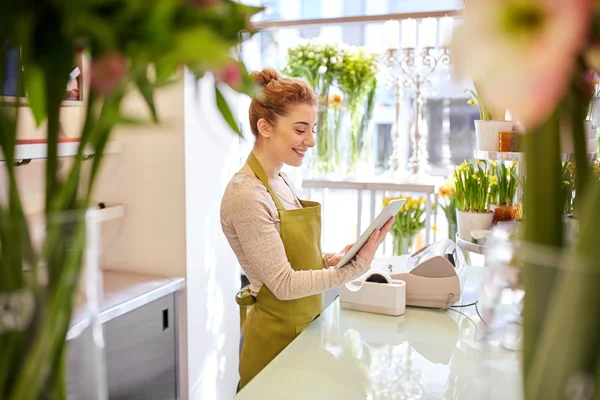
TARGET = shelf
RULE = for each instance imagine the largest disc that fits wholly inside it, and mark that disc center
(110, 212)
(24, 102)
(513, 156)
(38, 151)
(468, 246)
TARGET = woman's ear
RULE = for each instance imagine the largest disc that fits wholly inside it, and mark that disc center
(264, 128)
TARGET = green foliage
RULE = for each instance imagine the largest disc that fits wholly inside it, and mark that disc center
(472, 184)
(139, 44)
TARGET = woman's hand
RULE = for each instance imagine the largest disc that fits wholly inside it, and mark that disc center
(334, 259)
(367, 252)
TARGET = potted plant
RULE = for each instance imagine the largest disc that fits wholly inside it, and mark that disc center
(490, 123)
(409, 221)
(473, 183)
(448, 203)
(504, 192)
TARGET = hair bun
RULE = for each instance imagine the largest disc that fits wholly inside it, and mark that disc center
(265, 76)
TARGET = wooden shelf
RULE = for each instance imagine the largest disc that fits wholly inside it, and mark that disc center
(24, 102)
(38, 151)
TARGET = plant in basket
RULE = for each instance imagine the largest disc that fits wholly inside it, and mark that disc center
(473, 185)
(410, 220)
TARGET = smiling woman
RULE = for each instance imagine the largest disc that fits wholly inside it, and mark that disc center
(275, 236)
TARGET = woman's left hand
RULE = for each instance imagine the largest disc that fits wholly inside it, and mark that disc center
(334, 259)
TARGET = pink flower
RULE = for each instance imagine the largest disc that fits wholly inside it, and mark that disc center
(522, 52)
(231, 75)
(107, 72)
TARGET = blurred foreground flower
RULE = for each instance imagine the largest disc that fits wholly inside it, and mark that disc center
(231, 75)
(108, 72)
(522, 52)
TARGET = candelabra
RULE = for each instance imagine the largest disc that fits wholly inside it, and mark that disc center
(410, 69)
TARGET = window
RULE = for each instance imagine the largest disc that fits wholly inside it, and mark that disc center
(449, 120)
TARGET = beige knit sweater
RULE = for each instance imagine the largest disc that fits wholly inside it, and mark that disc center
(250, 222)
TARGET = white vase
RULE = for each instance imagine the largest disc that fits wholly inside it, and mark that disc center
(487, 133)
(566, 138)
(590, 128)
(469, 221)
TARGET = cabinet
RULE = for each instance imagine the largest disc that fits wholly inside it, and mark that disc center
(140, 353)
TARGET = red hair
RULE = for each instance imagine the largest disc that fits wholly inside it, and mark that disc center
(278, 94)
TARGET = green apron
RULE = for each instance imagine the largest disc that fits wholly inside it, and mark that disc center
(271, 324)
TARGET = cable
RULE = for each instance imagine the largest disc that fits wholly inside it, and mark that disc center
(465, 305)
(480, 317)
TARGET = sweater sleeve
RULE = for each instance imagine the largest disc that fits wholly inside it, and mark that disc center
(248, 211)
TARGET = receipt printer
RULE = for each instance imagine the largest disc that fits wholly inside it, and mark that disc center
(433, 277)
(374, 292)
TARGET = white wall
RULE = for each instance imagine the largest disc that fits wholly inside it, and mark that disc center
(213, 273)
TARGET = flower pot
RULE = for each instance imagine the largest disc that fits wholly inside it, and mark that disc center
(487, 133)
(505, 213)
(468, 221)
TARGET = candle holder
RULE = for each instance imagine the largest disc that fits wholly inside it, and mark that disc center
(411, 69)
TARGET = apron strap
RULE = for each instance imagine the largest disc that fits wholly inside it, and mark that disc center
(255, 166)
(245, 300)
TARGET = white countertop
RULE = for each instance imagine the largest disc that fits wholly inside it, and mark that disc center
(122, 293)
(424, 354)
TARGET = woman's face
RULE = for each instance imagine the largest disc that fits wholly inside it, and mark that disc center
(293, 135)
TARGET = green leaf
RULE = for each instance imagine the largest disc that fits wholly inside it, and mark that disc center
(147, 91)
(36, 92)
(226, 111)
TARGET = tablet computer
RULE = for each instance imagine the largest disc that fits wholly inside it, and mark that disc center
(384, 216)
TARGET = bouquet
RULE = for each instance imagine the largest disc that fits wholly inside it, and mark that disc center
(409, 221)
(320, 64)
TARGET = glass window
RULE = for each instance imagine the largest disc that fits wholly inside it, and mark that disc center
(448, 119)
(292, 10)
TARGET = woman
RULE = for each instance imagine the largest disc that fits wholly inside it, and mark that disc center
(275, 236)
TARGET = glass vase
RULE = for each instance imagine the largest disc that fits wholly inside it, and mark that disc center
(359, 157)
(326, 154)
(59, 335)
(402, 244)
(452, 230)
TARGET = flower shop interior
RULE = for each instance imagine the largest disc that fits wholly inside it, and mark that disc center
(117, 282)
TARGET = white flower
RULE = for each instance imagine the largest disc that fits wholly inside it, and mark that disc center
(322, 69)
(325, 60)
(299, 54)
(310, 54)
(521, 52)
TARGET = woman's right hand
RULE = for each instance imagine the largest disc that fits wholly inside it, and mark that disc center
(367, 252)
